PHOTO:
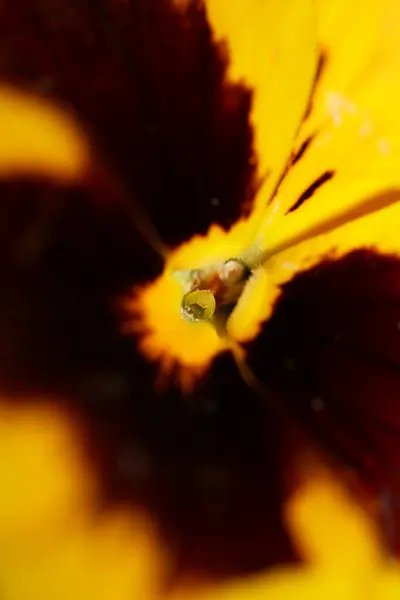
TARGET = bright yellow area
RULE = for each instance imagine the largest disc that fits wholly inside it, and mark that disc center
(377, 230)
(254, 306)
(183, 350)
(340, 544)
(39, 139)
(54, 544)
(355, 117)
(355, 122)
(272, 48)
(31, 501)
(331, 530)
(356, 126)
(53, 541)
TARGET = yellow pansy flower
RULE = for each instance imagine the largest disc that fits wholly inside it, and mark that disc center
(229, 163)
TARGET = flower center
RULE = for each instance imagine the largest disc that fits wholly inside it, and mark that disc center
(213, 291)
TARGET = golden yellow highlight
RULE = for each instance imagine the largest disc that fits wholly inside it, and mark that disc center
(355, 125)
(341, 548)
(354, 542)
(253, 308)
(35, 441)
(115, 558)
(273, 48)
(282, 40)
(182, 348)
(354, 137)
(52, 545)
(335, 235)
(39, 139)
(304, 238)
(53, 541)
(355, 134)
(355, 122)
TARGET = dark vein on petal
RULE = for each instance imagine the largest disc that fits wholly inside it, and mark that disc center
(322, 60)
(310, 191)
(301, 151)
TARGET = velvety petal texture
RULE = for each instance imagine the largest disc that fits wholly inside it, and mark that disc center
(149, 137)
(168, 150)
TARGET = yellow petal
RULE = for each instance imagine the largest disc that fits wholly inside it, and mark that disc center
(287, 584)
(272, 47)
(354, 122)
(355, 139)
(54, 543)
(340, 545)
(164, 336)
(45, 484)
(39, 139)
(377, 229)
(331, 530)
(114, 557)
(388, 585)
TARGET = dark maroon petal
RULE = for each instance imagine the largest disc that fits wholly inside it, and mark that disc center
(209, 465)
(332, 352)
(151, 85)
